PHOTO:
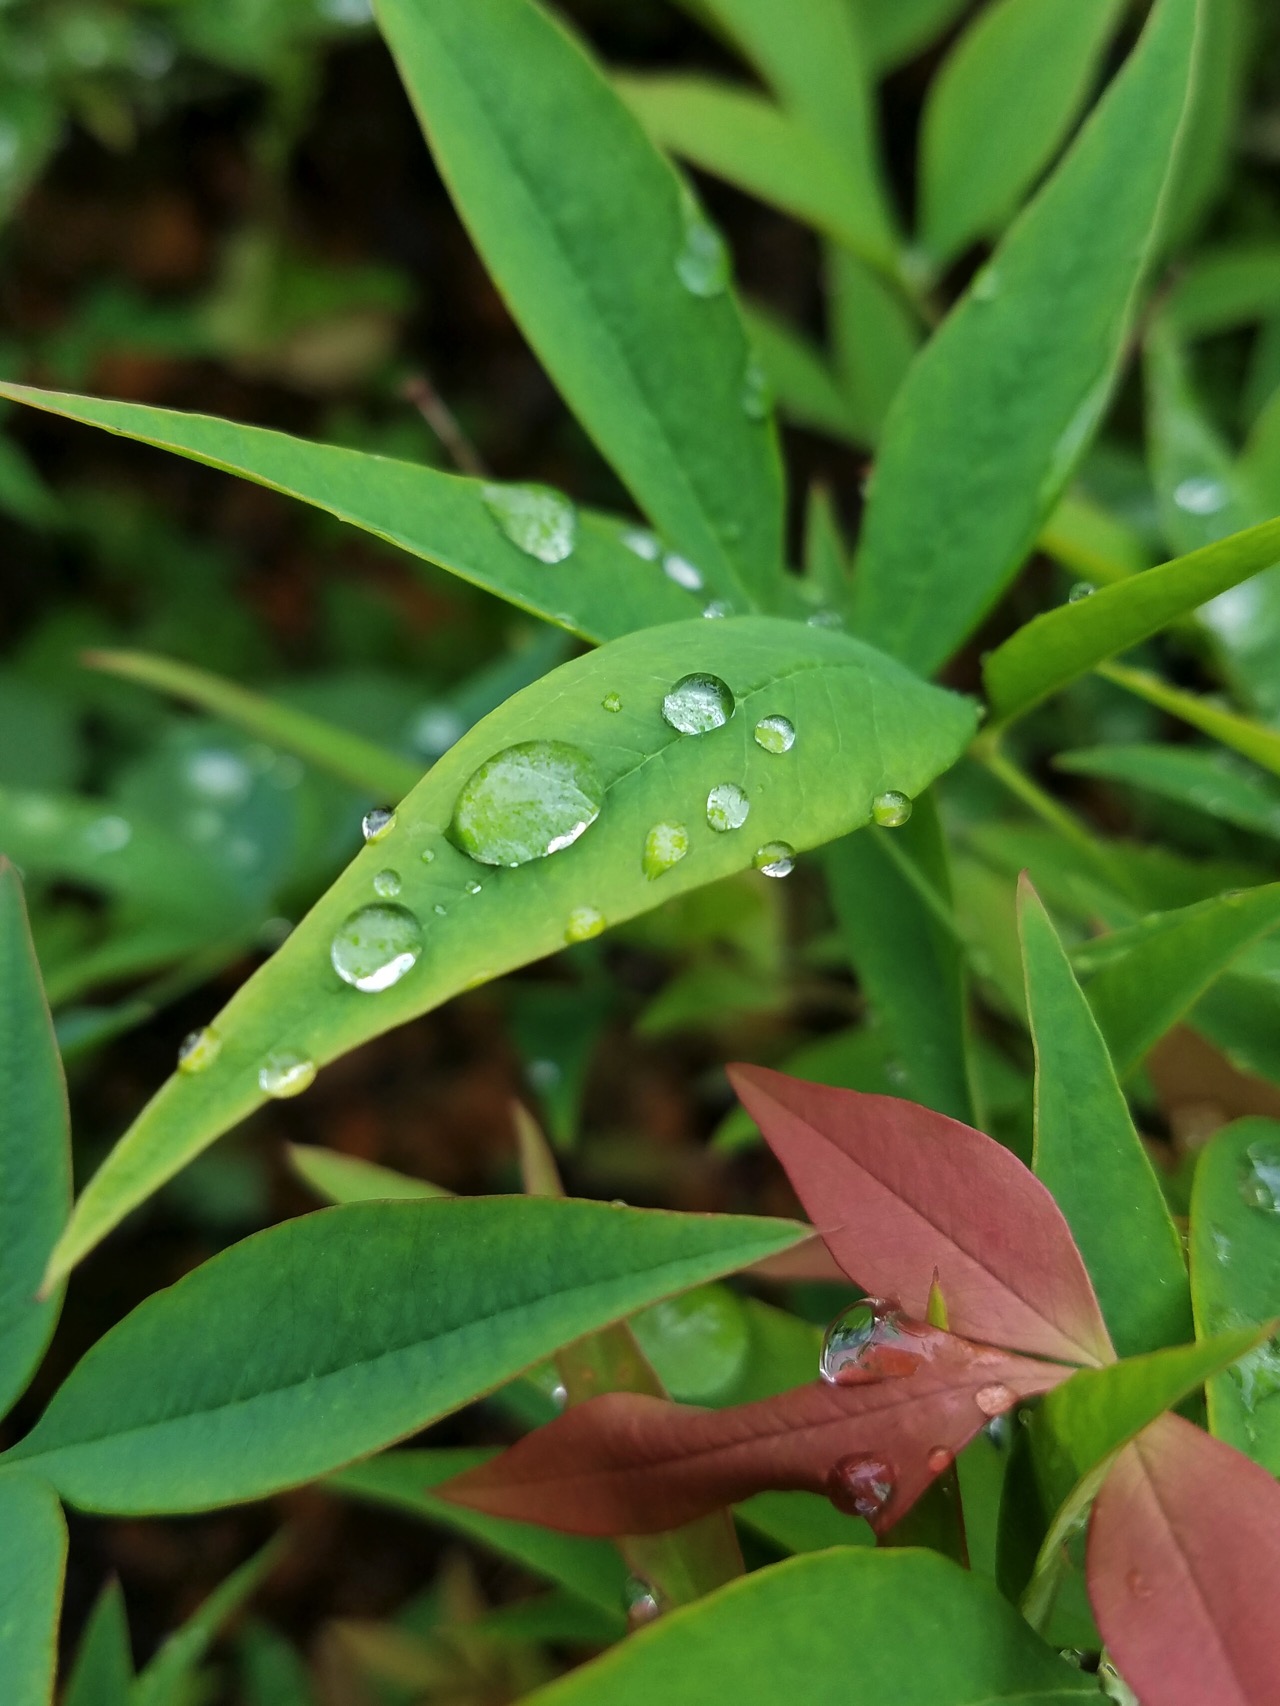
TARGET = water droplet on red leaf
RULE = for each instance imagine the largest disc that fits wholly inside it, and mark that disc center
(860, 1485)
(938, 1459)
(994, 1400)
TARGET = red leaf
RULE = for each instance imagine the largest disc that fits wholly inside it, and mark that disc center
(896, 1191)
(627, 1464)
(1183, 1561)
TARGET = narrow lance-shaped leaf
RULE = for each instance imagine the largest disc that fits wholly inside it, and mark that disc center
(1000, 405)
(578, 571)
(102, 1674)
(330, 1336)
(632, 316)
(803, 385)
(1090, 1156)
(168, 1679)
(1201, 778)
(1183, 1558)
(900, 1193)
(1245, 735)
(33, 1551)
(590, 737)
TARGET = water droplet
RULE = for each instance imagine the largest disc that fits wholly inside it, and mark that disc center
(199, 1050)
(540, 521)
(544, 1074)
(702, 265)
(825, 619)
(284, 1073)
(891, 809)
(107, 834)
(641, 543)
(1114, 1686)
(1080, 591)
(377, 824)
(560, 1395)
(1257, 1373)
(640, 1602)
(717, 610)
(428, 856)
(440, 910)
(1260, 1175)
(682, 572)
(387, 884)
(775, 734)
(986, 285)
(994, 1400)
(757, 393)
(867, 1341)
(727, 807)
(697, 704)
(1138, 1585)
(376, 947)
(775, 859)
(999, 1430)
(860, 1485)
(938, 1459)
(472, 886)
(664, 846)
(1201, 495)
(612, 702)
(584, 923)
(527, 802)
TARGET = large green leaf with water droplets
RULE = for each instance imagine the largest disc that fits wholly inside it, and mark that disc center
(862, 724)
(594, 244)
(600, 590)
(997, 410)
(33, 1550)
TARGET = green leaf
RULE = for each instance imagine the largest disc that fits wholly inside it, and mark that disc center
(272, 1672)
(33, 1552)
(1140, 981)
(862, 725)
(1091, 1157)
(802, 1522)
(1223, 288)
(1215, 118)
(35, 1147)
(1000, 108)
(602, 589)
(167, 1680)
(998, 408)
(806, 389)
(653, 369)
(914, 1629)
(326, 1338)
(1201, 778)
(403, 1480)
(1093, 542)
(896, 30)
(103, 1671)
(345, 1178)
(874, 336)
(1244, 735)
(1235, 1279)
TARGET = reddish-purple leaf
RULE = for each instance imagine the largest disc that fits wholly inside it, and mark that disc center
(897, 1191)
(1183, 1562)
(627, 1464)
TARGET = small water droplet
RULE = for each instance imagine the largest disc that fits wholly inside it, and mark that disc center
(825, 619)
(697, 704)
(717, 610)
(584, 923)
(472, 886)
(1114, 1686)
(891, 809)
(775, 859)
(994, 1400)
(377, 824)
(860, 1485)
(199, 1050)
(612, 702)
(1260, 1175)
(375, 947)
(1080, 591)
(428, 856)
(867, 1341)
(999, 1430)
(702, 265)
(560, 1395)
(440, 910)
(757, 392)
(284, 1073)
(775, 734)
(387, 884)
(1201, 495)
(727, 807)
(1138, 1585)
(641, 543)
(640, 1602)
(527, 802)
(680, 570)
(938, 1459)
(539, 520)
(664, 846)
(986, 285)
(107, 834)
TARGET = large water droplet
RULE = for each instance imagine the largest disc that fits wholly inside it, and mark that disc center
(680, 570)
(541, 521)
(664, 846)
(703, 265)
(612, 702)
(697, 704)
(995, 1399)
(757, 393)
(286, 1073)
(377, 824)
(775, 859)
(891, 809)
(1201, 495)
(860, 1485)
(376, 947)
(387, 884)
(199, 1050)
(584, 923)
(1260, 1175)
(640, 1602)
(641, 543)
(727, 807)
(527, 802)
(867, 1341)
(775, 734)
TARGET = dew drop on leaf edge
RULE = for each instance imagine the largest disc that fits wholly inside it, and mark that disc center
(727, 807)
(584, 923)
(375, 947)
(775, 859)
(1260, 1175)
(377, 824)
(286, 1073)
(640, 1602)
(527, 802)
(891, 809)
(538, 520)
(697, 704)
(199, 1050)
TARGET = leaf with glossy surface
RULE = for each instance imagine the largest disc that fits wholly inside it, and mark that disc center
(654, 369)
(326, 1338)
(862, 725)
(997, 410)
(33, 1551)
(1206, 780)
(899, 1192)
(102, 1674)
(1089, 1154)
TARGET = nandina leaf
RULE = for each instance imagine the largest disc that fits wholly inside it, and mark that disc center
(1183, 1558)
(898, 1191)
(629, 1464)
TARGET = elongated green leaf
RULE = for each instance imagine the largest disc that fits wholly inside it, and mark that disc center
(33, 1551)
(914, 1628)
(1226, 287)
(167, 1680)
(590, 1569)
(652, 367)
(103, 1671)
(999, 109)
(1204, 779)
(862, 724)
(345, 1178)
(600, 590)
(1244, 735)
(895, 30)
(326, 1338)
(995, 413)
(741, 136)
(272, 1671)
(1140, 981)
(1214, 119)
(1093, 542)
(1235, 1278)
(35, 1146)
(806, 389)
(1091, 1157)
(874, 337)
